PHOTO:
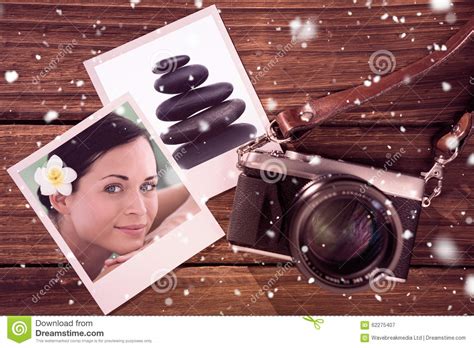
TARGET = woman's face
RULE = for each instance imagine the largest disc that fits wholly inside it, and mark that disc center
(116, 200)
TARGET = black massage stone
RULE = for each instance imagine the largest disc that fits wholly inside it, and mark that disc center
(185, 104)
(201, 151)
(182, 80)
(202, 116)
(206, 124)
(170, 64)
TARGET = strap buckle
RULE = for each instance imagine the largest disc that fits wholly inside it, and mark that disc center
(250, 146)
(273, 134)
(270, 135)
(437, 172)
(447, 146)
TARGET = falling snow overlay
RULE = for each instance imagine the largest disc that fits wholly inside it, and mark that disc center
(321, 49)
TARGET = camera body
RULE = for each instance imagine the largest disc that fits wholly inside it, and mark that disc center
(344, 225)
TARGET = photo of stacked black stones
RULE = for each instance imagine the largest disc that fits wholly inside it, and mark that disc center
(204, 118)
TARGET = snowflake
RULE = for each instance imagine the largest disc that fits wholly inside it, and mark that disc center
(50, 116)
(11, 76)
(271, 104)
(452, 142)
(133, 3)
(407, 234)
(445, 249)
(120, 110)
(315, 160)
(440, 5)
(270, 233)
(203, 126)
(469, 285)
(303, 31)
(470, 160)
(446, 86)
(451, 18)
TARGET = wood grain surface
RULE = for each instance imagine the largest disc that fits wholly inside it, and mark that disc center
(218, 281)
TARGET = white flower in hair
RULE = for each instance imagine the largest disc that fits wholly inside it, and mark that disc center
(54, 178)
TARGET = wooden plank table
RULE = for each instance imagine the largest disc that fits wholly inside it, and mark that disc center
(218, 281)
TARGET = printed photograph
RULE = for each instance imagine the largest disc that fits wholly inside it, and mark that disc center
(115, 203)
(189, 80)
(109, 191)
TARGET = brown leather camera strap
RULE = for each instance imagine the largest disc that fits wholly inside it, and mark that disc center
(456, 137)
(293, 122)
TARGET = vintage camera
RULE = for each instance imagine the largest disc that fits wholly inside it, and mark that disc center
(344, 225)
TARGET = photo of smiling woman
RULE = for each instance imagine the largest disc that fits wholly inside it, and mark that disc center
(100, 191)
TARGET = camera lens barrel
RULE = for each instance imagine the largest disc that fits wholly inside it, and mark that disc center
(342, 230)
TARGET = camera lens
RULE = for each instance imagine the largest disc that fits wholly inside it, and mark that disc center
(344, 235)
(341, 230)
